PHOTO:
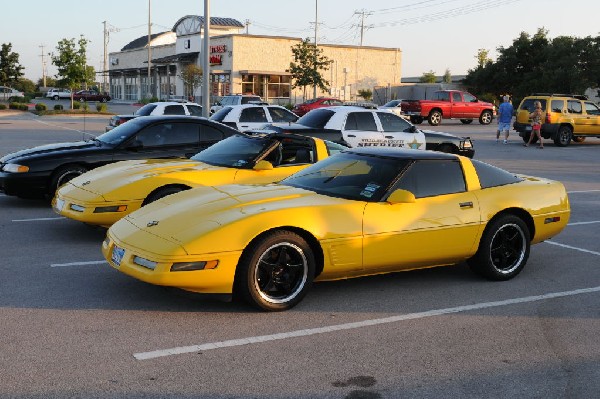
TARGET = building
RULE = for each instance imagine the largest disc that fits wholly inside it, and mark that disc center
(240, 63)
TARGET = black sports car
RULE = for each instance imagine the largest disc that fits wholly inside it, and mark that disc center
(39, 171)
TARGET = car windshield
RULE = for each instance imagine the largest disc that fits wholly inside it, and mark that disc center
(238, 151)
(120, 133)
(221, 114)
(316, 118)
(393, 103)
(351, 176)
(145, 110)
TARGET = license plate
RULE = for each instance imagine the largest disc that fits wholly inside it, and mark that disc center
(59, 204)
(528, 128)
(117, 255)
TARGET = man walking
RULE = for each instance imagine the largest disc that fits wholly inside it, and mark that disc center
(505, 114)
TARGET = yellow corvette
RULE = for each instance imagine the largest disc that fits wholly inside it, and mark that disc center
(359, 212)
(106, 194)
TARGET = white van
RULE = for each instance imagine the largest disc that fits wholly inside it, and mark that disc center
(8, 92)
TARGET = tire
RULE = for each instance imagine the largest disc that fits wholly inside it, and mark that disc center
(55, 98)
(434, 118)
(275, 272)
(63, 175)
(486, 117)
(579, 139)
(417, 120)
(161, 193)
(563, 136)
(503, 249)
(466, 121)
(526, 138)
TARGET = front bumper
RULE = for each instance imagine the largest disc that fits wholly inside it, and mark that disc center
(28, 184)
(91, 212)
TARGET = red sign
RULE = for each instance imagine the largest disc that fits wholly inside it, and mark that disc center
(216, 59)
(218, 49)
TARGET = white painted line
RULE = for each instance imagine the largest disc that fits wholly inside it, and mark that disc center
(350, 326)
(580, 223)
(94, 262)
(583, 191)
(36, 219)
(575, 248)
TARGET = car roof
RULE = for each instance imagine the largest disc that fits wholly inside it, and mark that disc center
(401, 153)
(174, 103)
(158, 118)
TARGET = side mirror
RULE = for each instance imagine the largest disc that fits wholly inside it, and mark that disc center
(263, 165)
(401, 197)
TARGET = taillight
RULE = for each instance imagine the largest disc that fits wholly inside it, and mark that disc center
(547, 117)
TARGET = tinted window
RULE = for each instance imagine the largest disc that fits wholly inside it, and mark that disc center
(145, 110)
(155, 135)
(236, 151)
(456, 97)
(253, 114)
(182, 133)
(528, 104)
(557, 105)
(317, 118)
(281, 115)
(246, 100)
(221, 114)
(174, 110)
(393, 103)
(393, 123)
(491, 176)
(426, 178)
(469, 98)
(442, 96)
(574, 106)
(194, 110)
(210, 133)
(121, 132)
(360, 121)
(336, 102)
(591, 109)
(334, 148)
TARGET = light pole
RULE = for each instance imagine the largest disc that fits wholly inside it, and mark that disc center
(149, 84)
(205, 62)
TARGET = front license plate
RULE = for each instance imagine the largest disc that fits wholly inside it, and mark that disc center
(528, 128)
(117, 255)
(59, 204)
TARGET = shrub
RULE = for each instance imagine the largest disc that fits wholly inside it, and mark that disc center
(13, 105)
(85, 107)
(24, 107)
(76, 105)
(40, 107)
(18, 100)
(2, 107)
(101, 107)
(58, 107)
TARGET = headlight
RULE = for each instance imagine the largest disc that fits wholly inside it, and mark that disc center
(190, 266)
(15, 168)
(466, 144)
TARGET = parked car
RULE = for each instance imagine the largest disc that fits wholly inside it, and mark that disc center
(360, 127)
(57, 94)
(566, 118)
(106, 194)
(319, 102)
(360, 212)
(253, 116)
(8, 92)
(39, 171)
(235, 99)
(90, 95)
(394, 106)
(157, 108)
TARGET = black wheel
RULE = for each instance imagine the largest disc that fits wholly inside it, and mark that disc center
(486, 117)
(579, 139)
(503, 249)
(466, 121)
(526, 138)
(417, 120)
(447, 148)
(275, 272)
(435, 118)
(563, 136)
(64, 174)
(160, 193)
(55, 98)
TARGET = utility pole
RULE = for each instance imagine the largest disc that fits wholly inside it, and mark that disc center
(43, 65)
(149, 92)
(206, 62)
(105, 63)
(362, 13)
(316, 29)
(247, 25)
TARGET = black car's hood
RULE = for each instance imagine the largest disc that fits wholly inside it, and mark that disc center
(50, 148)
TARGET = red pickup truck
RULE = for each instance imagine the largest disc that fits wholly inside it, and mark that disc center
(449, 104)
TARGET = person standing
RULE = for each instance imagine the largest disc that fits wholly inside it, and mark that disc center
(536, 124)
(505, 114)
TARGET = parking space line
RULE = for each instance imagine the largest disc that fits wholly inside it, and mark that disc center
(580, 223)
(574, 248)
(583, 191)
(36, 219)
(94, 262)
(350, 326)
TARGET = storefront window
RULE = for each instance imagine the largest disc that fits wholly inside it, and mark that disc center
(267, 86)
(131, 92)
(116, 88)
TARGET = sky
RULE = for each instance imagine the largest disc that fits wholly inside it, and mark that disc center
(433, 35)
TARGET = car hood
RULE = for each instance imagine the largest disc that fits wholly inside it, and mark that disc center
(185, 216)
(107, 181)
(432, 133)
(49, 149)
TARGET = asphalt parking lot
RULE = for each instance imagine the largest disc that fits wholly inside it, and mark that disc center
(72, 327)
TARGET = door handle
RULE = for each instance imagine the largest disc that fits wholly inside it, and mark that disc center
(389, 137)
(468, 204)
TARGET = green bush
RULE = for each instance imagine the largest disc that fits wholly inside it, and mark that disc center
(13, 105)
(58, 107)
(40, 107)
(85, 107)
(101, 107)
(19, 100)
(24, 107)
(2, 106)
(76, 105)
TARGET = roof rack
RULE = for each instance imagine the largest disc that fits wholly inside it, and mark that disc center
(577, 96)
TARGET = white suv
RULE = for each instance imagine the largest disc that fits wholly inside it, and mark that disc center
(8, 92)
(57, 94)
(159, 108)
(252, 116)
(235, 99)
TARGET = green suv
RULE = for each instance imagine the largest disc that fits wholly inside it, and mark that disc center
(566, 117)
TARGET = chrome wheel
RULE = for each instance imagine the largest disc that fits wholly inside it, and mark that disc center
(507, 249)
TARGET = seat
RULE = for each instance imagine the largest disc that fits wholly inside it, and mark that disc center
(303, 156)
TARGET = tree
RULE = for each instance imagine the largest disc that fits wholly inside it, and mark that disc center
(71, 64)
(191, 75)
(482, 57)
(427, 77)
(10, 69)
(308, 62)
(366, 94)
(447, 76)
(25, 85)
(50, 82)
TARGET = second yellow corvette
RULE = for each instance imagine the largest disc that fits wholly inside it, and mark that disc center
(106, 194)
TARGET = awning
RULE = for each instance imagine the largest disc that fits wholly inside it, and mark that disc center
(181, 57)
(253, 72)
